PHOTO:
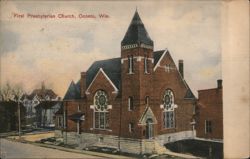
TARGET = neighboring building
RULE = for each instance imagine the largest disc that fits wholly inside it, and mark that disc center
(59, 122)
(9, 116)
(209, 121)
(134, 103)
(41, 106)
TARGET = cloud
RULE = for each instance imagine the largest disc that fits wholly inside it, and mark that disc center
(58, 50)
(9, 41)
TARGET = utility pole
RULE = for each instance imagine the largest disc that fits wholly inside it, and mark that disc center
(19, 118)
(18, 97)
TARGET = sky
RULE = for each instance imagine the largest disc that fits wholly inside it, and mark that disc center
(56, 50)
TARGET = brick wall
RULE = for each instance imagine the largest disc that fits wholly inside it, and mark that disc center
(138, 85)
(210, 108)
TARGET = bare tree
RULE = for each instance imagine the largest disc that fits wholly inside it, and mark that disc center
(11, 92)
(6, 92)
(17, 92)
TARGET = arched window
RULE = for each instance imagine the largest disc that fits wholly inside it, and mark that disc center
(147, 100)
(130, 64)
(168, 99)
(101, 114)
(145, 64)
(168, 112)
(130, 104)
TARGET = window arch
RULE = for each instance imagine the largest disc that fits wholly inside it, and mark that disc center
(168, 99)
(130, 103)
(101, 113)
(145, 64)
(130, 64)
(168, 112)
(147, 100)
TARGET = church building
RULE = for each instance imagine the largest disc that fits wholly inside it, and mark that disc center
(135, 103)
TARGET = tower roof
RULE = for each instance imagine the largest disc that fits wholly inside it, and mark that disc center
(136, 33)
(73, 91)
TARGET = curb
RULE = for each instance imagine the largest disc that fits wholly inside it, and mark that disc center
(97, 154)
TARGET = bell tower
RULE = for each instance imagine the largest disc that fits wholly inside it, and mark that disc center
(136, 72)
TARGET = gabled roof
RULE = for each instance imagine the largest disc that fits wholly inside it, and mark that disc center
(43, 93)
(157, 56)
(112, 68)
(73, 91)
(107, 78)
(136, 33)
(147, 114)
(77, 116)
(189, 93)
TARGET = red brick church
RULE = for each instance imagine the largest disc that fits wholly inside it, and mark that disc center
(133, 103)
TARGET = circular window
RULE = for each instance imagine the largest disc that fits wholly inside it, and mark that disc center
(168, 99)
(101, 100)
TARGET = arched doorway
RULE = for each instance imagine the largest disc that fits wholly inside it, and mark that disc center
(149, 128)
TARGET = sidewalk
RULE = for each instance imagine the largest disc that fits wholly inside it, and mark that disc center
(31, 138)
(97, 154)
(180, 155)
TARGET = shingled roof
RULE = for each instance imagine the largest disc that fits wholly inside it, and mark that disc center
(73, 91)
(157, 56)
(112, 67)
(189, 94)
(136, 33)
(43, 93)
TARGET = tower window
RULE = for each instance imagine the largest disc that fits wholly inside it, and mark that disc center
(147, 100)
(130, 64)
(131, 127)
(78, 108)
(130, 104)
(145, 64)
(208, 126)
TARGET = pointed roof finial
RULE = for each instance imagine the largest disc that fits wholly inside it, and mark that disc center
(136, 8)
(136, 32)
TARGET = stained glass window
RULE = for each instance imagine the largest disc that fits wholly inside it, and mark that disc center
(168, 112)
(168, 99)
(101, 114)
(168, 119)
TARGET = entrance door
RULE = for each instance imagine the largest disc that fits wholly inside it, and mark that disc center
(149, 128)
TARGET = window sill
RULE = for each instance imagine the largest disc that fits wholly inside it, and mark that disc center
(173, 128)
(130, 73)
(101, 129)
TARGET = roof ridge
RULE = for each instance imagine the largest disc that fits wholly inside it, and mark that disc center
(109, 59)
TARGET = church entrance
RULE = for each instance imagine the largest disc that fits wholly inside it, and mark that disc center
(149, 128)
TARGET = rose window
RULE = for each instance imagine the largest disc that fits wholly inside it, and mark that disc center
(168, 99)
(101, 100)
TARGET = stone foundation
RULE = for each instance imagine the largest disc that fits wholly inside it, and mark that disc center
(58, 133)
(136, 146)
(172, 137)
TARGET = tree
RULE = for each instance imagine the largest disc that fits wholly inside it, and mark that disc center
(6, 92)
(10, 103)
(11, 93)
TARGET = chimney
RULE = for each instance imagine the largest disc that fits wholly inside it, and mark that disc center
(83, 84)
(219, 83)
(181, 68)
